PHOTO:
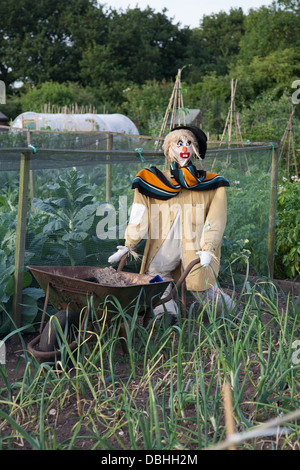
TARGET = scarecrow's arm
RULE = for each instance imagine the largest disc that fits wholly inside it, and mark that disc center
(138, 224)
(137, 227)
(215, 222)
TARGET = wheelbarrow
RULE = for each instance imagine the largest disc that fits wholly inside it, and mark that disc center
(70, 290)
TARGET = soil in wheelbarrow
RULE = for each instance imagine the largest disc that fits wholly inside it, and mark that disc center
(109, 276)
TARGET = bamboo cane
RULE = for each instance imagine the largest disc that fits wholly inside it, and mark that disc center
(228, 411)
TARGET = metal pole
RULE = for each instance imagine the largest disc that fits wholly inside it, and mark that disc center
(108, 168)
(20, 237)
(273, 207)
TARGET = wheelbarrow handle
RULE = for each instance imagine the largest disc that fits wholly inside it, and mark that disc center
(181, 279)
(122, 262)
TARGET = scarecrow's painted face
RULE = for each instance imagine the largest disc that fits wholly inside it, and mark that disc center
(180, 146)
(182, 150)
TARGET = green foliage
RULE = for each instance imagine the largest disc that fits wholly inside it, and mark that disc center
(63, 227)
(140, 45)
(61, 230)
(287, 258)
(267, 30)
(167, 391)
(265, 119)
(247, 218)
(104, 75)
(78, 52)
(235, 256)
(46, 42)
(30, 296)
(216, 42)
(55, 93)
(275, 71)
(8, 204)
(211, 96)
(147, 103)
(126, 61)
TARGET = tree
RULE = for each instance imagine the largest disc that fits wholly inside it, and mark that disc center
(214, 46)
(268, 30)
(276, 71)
(45, 42)
(212, 96)
(292, 5)
(139, 46)
(266, 117)
(100, 70)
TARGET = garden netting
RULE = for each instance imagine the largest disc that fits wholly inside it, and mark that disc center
(80, 197)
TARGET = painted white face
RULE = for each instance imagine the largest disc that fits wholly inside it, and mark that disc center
(182, 151)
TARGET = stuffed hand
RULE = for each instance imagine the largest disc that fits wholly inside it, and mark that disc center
(122, 250)
(205, 258)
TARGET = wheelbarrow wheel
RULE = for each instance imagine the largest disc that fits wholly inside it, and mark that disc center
(48, 339)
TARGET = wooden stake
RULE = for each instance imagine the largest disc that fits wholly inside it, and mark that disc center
(31, 172)
(232, 118)
(20, 237)
(108, 169)
(288, 136)
(175, 104)
(229, 422)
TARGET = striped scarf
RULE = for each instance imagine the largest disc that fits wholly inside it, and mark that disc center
(152, 182)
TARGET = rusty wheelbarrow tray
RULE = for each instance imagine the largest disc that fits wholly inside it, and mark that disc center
(68, 288)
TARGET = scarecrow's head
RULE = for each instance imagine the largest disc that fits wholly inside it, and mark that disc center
(184, 143)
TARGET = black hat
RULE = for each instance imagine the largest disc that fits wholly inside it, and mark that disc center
(200, 137)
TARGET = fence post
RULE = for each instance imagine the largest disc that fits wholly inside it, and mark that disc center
(20, 237)
(109, 146)
(31, 172)
(272, 212)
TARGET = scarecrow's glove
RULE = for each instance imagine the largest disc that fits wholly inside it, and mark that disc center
(115, 258)
(205, 258)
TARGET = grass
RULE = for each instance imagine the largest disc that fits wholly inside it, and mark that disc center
(167, 392)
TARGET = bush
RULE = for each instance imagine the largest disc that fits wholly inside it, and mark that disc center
(58, 94)
(287, 245)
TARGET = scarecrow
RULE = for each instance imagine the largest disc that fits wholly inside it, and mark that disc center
(182, 214)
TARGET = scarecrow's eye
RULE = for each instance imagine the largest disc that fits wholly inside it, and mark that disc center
(179, 143)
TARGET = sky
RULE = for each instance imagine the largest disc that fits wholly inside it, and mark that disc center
(189, 12)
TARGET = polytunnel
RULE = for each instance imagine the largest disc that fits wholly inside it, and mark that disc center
(75, 122)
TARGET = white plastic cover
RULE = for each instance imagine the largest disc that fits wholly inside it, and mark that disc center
(76, 122)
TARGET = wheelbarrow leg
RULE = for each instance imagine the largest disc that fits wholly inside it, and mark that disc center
(45, 308)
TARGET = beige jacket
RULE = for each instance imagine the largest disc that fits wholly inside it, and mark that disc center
(203, 221)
